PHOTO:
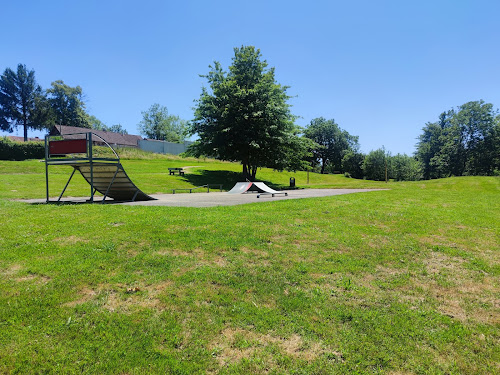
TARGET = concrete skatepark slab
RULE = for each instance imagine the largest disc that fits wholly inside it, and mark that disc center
(220, 199)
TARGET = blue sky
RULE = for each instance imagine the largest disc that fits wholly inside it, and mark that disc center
(381, 69)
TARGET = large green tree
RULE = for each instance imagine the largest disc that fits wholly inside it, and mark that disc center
(333, 143)
(463, 142)
(68, 106)
(157, 124)
(22, 101)
(352, 163)
(377, 164)
(405, 168)
(244, 116)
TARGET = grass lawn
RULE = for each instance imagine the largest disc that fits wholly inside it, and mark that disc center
(403, 281)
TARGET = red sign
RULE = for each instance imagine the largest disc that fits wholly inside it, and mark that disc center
(73, 146)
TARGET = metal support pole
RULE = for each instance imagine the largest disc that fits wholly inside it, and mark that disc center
(46, 169)
(135, 195)
(67, 183)
(111, 183)
(91, 164)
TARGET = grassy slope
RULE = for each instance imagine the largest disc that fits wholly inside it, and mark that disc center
(398, 281)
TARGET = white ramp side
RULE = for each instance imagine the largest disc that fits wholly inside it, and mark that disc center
(264, 189)
(240, 187)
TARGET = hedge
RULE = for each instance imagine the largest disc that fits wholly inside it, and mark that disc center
(10, 150)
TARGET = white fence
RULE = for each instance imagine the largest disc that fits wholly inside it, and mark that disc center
(162, 147)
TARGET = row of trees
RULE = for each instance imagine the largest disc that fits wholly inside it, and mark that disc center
(244, 116)
(24, 103)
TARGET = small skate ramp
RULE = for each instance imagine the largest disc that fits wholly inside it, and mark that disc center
(258, 187)
(104, 175)
(264, 189)
(240, 187)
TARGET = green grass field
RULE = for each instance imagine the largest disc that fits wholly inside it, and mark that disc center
(403, 281)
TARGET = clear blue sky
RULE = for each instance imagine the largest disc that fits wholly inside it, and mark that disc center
(381, 69)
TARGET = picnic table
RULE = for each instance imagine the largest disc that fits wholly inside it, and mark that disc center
(172, 171)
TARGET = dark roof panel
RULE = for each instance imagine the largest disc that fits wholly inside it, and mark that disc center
(129, 140)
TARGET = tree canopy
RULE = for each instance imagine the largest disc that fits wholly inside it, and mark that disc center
(464, 141)
(97, 124)
(22, 101)
(157, 124)
(244, 116)
(67, 105)
(376, 164)
(332, 143)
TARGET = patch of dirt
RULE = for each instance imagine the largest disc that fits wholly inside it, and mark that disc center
(437, 263)
(181, 253)
(34, 278)
(255, 252)
(70, 240)
(12, 270)
(116, 224)
(376, 241)
(235, 344)
(86, 294)
(465, 298)
(123, 298)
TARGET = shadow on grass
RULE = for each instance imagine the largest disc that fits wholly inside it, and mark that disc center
(225, 178)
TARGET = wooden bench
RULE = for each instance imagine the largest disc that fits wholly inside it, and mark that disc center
(172, 171)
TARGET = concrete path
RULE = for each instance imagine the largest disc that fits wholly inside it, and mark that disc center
(221, 199)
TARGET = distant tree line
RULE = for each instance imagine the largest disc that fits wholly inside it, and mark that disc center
(24, 103)
(243, 115)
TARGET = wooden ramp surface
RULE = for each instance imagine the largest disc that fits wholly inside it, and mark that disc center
(112, 181)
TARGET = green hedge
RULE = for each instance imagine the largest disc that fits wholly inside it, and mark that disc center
(10, 150)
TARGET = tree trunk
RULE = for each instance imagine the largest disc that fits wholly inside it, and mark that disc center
(25, 133)
(246, 173)
(249, 172)
(254, 173)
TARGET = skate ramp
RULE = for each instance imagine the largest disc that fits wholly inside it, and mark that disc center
(104, 174)
(240, 188)
(111, 181)
(257, 187)
(262, 188)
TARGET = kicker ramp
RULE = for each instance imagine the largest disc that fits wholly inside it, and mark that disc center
(240, 187)
(264, 189)
(258, 187)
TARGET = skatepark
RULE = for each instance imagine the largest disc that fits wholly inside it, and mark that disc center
(108, 177)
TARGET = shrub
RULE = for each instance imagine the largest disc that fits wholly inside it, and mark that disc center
(10, 150)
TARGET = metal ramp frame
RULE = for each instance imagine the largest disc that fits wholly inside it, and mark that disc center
(104, 175)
